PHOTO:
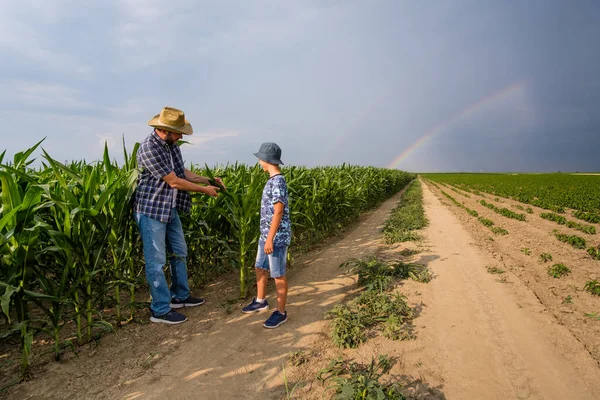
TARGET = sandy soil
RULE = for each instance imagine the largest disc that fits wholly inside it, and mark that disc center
(536, 235)
(476, 336)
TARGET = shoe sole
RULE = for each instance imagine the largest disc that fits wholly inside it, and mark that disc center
(275, 326)
(186, 305)
(164, 321)
(256, 311)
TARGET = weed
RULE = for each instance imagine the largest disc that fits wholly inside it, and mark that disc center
(352, 380)
(589, 229)
(409, 252)
(573, 240)
(559, 219)
(587, 216)
(499, 231)
(379, 307)
(472, 212)
(558, 270)
(351, 320)
(595, 316)
(568, 300)
(526, 251)
(593, 287)
(288, 392)
(457, 191)
(594, 252)
(495, 270)
(377, 275)
(348, 327)
(298, 358)
(393, 329)
(545, 257)
(407, 217)
(529, 210)
(486, 222)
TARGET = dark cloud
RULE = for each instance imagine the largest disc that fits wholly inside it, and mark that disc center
(332, 82)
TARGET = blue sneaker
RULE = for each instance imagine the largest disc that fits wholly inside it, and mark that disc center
(255, 306)
(189, 302)
(275, 320)
(171, 318)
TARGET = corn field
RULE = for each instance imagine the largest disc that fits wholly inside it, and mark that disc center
(70, 250)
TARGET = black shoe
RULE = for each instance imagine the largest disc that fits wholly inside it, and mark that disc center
(189, 302)
(171, 318)
(255, 306)
(275, 320)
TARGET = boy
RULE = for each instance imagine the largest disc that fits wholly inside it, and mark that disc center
(275, 235)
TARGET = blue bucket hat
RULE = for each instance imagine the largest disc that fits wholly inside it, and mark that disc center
(270, 153)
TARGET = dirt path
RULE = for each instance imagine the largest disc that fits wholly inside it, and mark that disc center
(239, 359)
(519, 252)
(476, 338)
(486, 339)
(220, 357)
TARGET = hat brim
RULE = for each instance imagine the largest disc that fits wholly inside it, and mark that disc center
(184, 130)
(267, 158)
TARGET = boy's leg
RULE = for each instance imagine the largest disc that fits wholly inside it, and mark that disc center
(262, 271)
(177, 249)
(277, 265)
(153, 234)
(262, 278)
(281, 286)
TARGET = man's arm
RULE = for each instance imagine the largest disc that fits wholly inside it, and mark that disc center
(184, 184)
(277, 215)
(195, 178)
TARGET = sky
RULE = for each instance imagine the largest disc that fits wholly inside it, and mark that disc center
(421, 86)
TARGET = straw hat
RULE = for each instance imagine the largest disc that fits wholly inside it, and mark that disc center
(173, 120)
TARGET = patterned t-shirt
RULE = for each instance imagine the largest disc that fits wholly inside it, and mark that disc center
(275, 191)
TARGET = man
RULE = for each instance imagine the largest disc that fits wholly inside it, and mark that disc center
(161, 194)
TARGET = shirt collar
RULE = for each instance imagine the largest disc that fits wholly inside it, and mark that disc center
(162, 142)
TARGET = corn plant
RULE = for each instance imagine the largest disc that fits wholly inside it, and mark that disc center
(240, 206)
(20, 227)
(69, 246)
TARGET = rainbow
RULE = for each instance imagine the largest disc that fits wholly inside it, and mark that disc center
(494, 98)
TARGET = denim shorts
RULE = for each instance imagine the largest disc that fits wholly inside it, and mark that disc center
(274, 262)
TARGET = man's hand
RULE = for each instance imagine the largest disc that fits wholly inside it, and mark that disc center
(220, 182)
(269, 246)
(212, 191)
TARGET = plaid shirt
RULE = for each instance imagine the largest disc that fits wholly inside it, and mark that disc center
(153, 196)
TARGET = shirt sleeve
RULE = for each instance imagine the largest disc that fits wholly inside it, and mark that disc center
(279, 192)
(155, 160)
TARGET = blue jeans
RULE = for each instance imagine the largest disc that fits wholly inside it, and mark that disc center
(158, 239)
(275, 262)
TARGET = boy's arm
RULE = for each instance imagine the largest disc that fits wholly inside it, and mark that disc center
(277, 215)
